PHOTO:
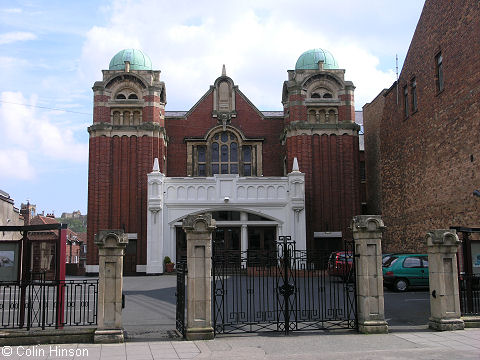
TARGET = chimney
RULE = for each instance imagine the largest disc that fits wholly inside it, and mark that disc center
(52, 215)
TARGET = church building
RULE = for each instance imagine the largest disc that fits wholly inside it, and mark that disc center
(261, 174)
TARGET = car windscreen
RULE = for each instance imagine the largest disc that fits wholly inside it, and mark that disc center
(390, 261)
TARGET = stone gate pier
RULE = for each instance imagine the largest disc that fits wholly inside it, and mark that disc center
(442, 250)
(199, 230)
(111, 248)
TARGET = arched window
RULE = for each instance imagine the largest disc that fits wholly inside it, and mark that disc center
(315, 96)
(120, 97)
(133, 96)
(223, 153)
(327, 96)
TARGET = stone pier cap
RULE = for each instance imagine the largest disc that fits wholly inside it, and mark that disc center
(199, 223)
(111, 238)
(367, 223)
(445, 237)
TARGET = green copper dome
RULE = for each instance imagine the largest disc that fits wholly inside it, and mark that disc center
(310, 58)
(138, 60)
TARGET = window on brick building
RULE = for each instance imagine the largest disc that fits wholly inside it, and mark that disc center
(363, 174)
(202, 160)
(224, 153)
(133, 96)
(439, 71)
(405, 100)
(413, 88)
(121, 97)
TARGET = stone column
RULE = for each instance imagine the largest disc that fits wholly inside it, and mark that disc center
(442, 247)
(111, 247)
(244, 233)
(367, 234)
(296, 184)
(199, 230)
(155, 239)
(244, 238)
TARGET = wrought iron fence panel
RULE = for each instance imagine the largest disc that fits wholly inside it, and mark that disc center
(47, 304)
(181, 295)
(469, 285)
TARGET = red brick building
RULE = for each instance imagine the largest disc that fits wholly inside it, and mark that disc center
(44, 247)
(422, 134)
(215, 155)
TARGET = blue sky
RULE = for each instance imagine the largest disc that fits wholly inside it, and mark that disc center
(51, 53)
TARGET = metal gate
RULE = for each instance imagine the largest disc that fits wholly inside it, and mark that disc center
(468, 274)
(283, 290)
(181, 295)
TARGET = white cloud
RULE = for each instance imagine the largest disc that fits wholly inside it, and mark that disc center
(11, 63)
(12, 10)
(100, 46)
(11, 37)
(15, 165)
(25, 129)
(190, 41)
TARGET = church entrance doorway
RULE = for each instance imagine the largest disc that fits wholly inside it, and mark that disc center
(130, 258)
(261, 238)
(227, 238)
(236, 231)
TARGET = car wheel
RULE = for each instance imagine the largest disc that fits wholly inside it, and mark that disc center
(400, 285)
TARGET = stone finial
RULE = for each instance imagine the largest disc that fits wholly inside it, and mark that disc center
(442, 237)
(111, 238)
(156, 167)
(295, 167)
(224, 71)
(203, 222)
(367, 223)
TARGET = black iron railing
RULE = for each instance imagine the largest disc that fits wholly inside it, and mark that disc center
(282, 290)
(181, 295)
(48, 304)
(469, 285)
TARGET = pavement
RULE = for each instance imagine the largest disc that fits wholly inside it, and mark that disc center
(422, 344)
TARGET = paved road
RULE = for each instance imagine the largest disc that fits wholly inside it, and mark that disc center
(408, 310)
(149, 307)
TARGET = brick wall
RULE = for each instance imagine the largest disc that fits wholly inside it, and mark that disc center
(248, 120)
(331, 167)
(372, 116)
(117, 187)
(430, 160)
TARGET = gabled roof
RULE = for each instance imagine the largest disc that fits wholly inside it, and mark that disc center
(49, 234)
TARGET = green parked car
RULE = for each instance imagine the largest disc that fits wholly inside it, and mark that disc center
(404, 271)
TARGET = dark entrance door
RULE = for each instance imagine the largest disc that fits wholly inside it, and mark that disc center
(130, 258)
(324, 246)
(227, 238)
(261, 238)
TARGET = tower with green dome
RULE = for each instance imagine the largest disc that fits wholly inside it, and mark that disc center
(316, 58)
(320, 131)
(127, 134)
(136, 59)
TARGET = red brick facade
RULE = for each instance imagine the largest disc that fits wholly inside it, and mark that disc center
(120, 159)
(429, 156)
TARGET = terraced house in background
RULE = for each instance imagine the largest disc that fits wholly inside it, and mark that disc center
(261, 174)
